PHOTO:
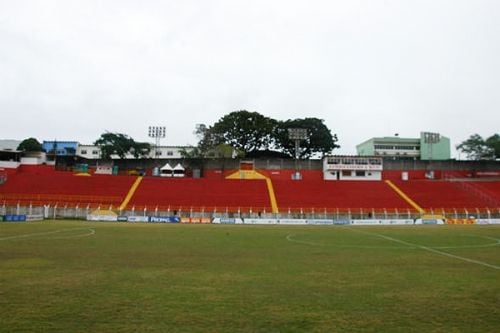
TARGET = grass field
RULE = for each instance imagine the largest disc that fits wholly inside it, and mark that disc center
(63, 276)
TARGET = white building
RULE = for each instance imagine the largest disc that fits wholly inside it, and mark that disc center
(161, 152)
(352, 168)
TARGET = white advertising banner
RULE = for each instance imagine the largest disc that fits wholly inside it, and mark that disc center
(102, 218)
(260, 221)
(488, 221)
(34, 217)
(292, 221)
(137, 218)
(227, 220)
(429, 221)
(383, 222)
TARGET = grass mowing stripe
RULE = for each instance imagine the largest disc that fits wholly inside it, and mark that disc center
(227, 278)
(428, 249)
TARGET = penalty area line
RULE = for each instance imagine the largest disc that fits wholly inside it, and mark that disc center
(429, 249)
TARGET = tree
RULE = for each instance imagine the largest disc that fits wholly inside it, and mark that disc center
(30, 144)
(319, 140)
(494, 143)
(121, 145)
(476, 148)
(243, 130)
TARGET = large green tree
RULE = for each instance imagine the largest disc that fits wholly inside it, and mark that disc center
(477, 148)
(243, 130)
(30, 144)
(319, 138)
(121, 145)
(494, 143)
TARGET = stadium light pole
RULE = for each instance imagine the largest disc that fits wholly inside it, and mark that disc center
(158, 133)
(297, 135)
(430, 139)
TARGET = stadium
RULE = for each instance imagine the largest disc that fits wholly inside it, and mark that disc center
(334, 189)
(339, 244)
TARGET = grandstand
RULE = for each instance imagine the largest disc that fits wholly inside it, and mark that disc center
(254, 191)
(201, 194)
(42, 185)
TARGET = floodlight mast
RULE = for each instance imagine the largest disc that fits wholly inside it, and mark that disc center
(156, 132)
(297, 134)
(431, 138)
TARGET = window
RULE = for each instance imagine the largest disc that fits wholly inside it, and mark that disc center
(95, 152)
(360, 173)
(84, 152)
(170, 153)
(346, 173)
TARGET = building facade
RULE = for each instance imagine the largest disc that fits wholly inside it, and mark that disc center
(352, 168)
(428, 147)
(160, 152)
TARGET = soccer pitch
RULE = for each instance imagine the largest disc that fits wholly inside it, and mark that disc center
(67, 276)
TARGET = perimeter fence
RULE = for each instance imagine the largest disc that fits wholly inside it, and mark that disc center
(81, 212)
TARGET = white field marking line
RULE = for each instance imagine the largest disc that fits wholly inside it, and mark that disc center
(43, 233)
(429, 249)
(497, 242)
(90, 233)
(290, 239)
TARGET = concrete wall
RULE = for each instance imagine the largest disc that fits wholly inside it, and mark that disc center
(290, 164)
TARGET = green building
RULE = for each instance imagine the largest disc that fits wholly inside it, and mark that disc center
(430, 146)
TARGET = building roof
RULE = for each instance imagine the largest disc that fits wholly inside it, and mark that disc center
(9, 144)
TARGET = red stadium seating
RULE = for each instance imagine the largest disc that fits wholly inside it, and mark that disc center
(442, 194)
(337, 194)
(202, 193)
(43, 185)
(62, 187)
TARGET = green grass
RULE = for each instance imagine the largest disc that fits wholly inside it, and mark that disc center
(59, 276)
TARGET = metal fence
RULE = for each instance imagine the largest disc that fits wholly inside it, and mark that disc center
(81, 212)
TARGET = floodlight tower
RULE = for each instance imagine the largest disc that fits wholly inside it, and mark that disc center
(297, 134)
(430, 139)
(156, 132)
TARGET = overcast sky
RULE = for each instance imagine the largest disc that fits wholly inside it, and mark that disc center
(71, 70)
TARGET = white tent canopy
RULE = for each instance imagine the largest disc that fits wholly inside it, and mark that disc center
(167, 171)
(167, 167)
(179, 170)
(178, 167)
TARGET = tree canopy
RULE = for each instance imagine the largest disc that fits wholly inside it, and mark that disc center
(243, 130)
(250, 133)
(30, 144)
(319, 138)
(121, 145)
(477, 148)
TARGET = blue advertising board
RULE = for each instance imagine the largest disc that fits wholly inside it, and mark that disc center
(14, 218)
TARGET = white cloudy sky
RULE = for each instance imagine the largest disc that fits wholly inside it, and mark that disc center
(70, 70)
